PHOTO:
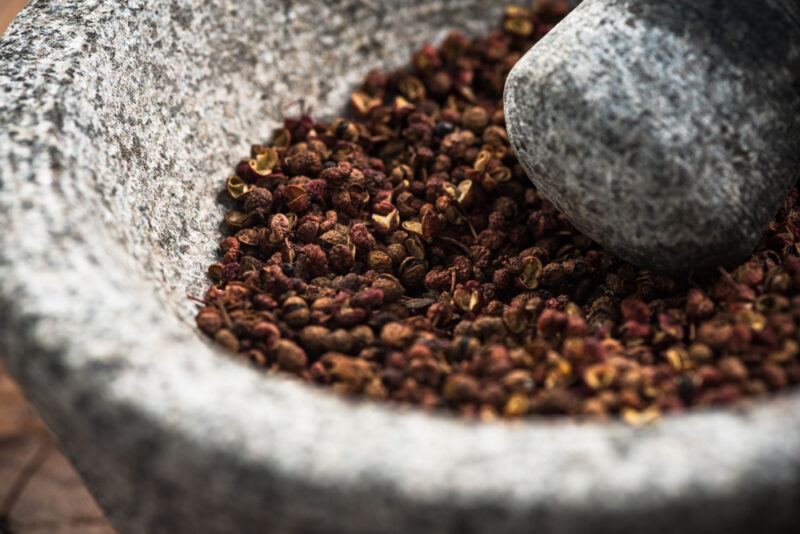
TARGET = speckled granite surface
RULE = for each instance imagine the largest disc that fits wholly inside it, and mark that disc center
(118, 120)
(668, 131)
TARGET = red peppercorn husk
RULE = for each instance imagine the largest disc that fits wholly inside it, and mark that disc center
(401, 254)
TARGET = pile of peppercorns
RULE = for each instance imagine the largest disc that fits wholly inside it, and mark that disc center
(402, 254)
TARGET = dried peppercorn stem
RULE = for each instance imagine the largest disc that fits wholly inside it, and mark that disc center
(401, 254)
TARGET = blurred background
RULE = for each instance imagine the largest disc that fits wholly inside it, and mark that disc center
(40, 492)
(9, 9)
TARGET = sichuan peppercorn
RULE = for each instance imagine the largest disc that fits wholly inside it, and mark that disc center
(401, 254)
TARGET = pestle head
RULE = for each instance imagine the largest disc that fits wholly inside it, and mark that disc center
(667, 131)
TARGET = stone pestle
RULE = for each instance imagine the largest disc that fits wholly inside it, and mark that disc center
(668, 131)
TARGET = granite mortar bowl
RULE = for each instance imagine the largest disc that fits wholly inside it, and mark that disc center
(118, 122)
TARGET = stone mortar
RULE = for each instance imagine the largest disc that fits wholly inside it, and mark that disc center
(118, 122)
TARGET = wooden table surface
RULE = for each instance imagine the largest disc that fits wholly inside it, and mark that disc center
(8, 10)
(40, 492)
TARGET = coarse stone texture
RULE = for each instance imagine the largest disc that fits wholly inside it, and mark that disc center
(118, 122)
(667, 131)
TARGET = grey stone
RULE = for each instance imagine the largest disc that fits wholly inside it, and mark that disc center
(667, 131)
(119, 121)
